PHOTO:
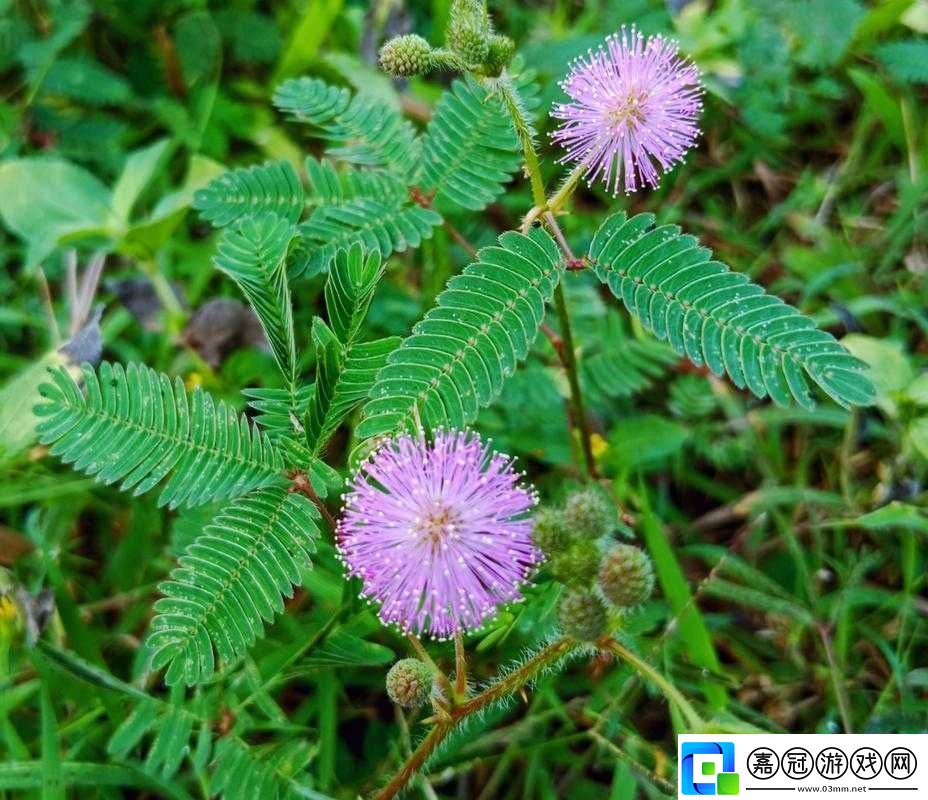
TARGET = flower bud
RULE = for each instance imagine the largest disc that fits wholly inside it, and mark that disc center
(406, 55)
(576, 565)
(626, 576)
(470, 42)
(549, 532)
(469, 31)
(409, 682)
(589, 514)
(501, 50)
(582, 615)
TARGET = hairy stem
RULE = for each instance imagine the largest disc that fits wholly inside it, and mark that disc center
(693, 720)
(662, 784)
(523, 128)
(506, 685)
(460, 667)
(569, 356)
(440, 676)
(525, 132)
(566, 190)
(573, 379)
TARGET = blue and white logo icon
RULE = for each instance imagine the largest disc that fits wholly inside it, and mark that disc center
(708, 768)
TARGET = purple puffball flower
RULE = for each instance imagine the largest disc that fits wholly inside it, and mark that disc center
(439, 532)
(632, 111)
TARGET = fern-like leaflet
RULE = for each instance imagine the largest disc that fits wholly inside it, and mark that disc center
(329, 186)
(170, 726)
(360, 129)
(623, 366)
(345, 367)
(719, 318)
(272, 187)
(458, 355)
(388, 226)
(344, 375)
(470, 148)
(278, 411)
(246, 773)
(230, 582)
(253, 253)
(135, 426)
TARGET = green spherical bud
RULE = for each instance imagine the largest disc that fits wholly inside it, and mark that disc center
(626, 576)
(470, 42)
(589, 514)
(409, 682)
(576, 565)
(406, 55)
(501, 51)
(549, 532)
(582, 615)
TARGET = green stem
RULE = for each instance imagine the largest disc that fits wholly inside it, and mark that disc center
(460, 668)
(524, 132)
(673, 694)
(568, 356)
(566, 189)
(165, 294)
(844, 706)
(512, 682)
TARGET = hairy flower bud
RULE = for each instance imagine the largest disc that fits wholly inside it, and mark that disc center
(578, 564)
(626, 576)
(582, 615)
(469, 31)
(589, 514)
(549, 532)
(409, 682)
(470, 42)
(406, 55)
(501, 50)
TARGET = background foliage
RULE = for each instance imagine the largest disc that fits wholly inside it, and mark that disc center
(788, 542)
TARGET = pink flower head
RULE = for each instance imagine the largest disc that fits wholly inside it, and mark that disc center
(632, 111)
(438, 532)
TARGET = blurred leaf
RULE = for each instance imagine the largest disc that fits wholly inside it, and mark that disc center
(890, 368)
(86, 81)
(199, 46)
(894, 515)
(146, 236)
(342, 649)
(906, 61)
(881, 103)
(46, 200)
(918, 435)
(306, 35)
(644, 441)
(824, 28)
(17, 397)
(917, 390)
(690, 623)
(138, 171)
